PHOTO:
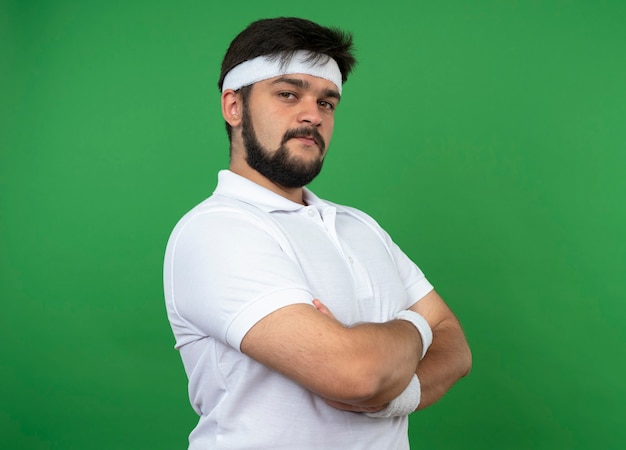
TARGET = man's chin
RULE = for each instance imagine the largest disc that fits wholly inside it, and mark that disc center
(296, 179)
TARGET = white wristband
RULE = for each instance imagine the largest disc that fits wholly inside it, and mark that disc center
(422, 326)
(404, 404)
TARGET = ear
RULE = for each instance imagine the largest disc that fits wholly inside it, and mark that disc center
(231, 107)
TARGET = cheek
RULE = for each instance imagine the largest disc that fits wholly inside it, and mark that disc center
(328, 135)
(270, 136)
(267, 128)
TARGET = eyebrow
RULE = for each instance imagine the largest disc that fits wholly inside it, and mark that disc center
(303, 84)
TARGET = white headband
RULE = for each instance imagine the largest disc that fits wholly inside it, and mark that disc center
(263, 67)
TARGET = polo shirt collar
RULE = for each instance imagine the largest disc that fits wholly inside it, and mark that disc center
(231, 185)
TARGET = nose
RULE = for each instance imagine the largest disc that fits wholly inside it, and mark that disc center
(310, 112)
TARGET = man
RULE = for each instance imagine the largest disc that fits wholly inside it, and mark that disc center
(300, 324)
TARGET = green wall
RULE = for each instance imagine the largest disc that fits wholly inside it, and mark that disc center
(488, 137)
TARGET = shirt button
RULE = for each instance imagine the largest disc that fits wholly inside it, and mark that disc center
(351, 259)
(311, 213)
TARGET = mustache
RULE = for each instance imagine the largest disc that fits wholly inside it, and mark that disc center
(306, 132)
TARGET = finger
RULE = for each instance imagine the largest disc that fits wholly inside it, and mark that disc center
(323, 309)
(320, 307)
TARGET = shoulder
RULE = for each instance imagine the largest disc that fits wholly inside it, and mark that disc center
(220, 211)
(220, 221)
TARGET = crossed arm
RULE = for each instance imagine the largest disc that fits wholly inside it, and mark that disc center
(449, 357)
(365, 366)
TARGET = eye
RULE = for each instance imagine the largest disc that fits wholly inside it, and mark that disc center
(327, 105)
(287, 95)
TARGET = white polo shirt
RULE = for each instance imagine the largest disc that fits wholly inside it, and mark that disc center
(246, 252)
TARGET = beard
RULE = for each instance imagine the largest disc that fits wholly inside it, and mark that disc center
(281, 167)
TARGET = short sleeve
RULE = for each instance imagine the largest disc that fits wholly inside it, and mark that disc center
(224, 272)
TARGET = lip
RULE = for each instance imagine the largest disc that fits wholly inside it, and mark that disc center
(307, 140)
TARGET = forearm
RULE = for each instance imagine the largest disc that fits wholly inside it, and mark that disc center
(390, 354)
(367, 364)
(448, 360)
(409, 398)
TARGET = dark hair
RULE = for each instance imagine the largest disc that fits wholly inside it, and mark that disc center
(282, 37)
